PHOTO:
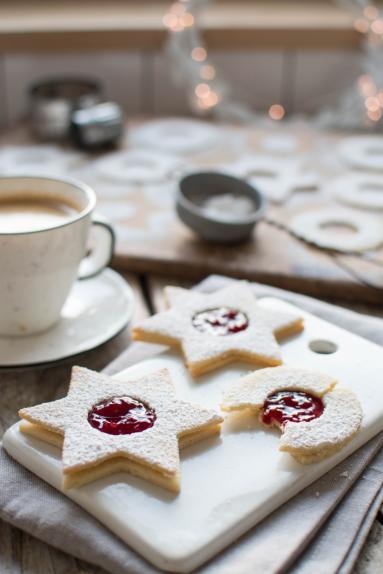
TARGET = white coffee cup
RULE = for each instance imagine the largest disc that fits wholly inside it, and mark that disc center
(38, 267)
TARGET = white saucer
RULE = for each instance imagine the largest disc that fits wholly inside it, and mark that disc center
(96, 310)
(138, 166)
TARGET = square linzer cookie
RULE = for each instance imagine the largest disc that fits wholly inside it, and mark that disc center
(106, 426)
(219, 328)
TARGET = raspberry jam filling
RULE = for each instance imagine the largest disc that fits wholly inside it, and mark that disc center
(291, 406)
(121, 415)
(220, 321)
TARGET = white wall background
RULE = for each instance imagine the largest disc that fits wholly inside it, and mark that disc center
(140, 81)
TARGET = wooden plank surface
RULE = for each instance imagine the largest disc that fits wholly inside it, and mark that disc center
(154, 240)
(65, 26)
(271, 258)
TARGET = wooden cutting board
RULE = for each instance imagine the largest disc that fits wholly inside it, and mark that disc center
(155, 240)
(150, 238)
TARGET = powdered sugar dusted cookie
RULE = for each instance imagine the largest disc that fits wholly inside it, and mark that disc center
(219, 328)
(320, 227)
(106, 426)
(315, 418)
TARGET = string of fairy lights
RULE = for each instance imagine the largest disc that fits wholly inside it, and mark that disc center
(186, 47)
(370, 85)
(209, 93)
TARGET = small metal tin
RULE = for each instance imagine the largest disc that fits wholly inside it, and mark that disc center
(97, 126)
(52, 102)
(195, 188)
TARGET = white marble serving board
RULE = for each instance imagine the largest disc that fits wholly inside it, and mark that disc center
(229, 483)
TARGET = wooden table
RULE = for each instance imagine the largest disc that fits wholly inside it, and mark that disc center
(22, 554)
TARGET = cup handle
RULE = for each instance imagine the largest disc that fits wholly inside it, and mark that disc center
(101, 247)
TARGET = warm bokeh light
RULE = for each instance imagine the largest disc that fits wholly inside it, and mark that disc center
(372, 104)
(371, 12)
(361, 25)
(199, 54)
(366, 85)
(373, 100)
(187, 19)
(209, 100)
(169, 20)
(276, 112)
(377, 26)
(173, 22)
(177, 19)
(202, 90)
(374, 116)
(207, 72)
(201, 104)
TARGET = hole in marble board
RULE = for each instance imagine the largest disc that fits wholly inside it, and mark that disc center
(323, 347)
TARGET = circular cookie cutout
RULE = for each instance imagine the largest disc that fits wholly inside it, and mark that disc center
(362, 152)
(176, 135)
(37, 159)
(340, 229)
(138, 166)
(276, 178)
(362, 190)
(315, 418)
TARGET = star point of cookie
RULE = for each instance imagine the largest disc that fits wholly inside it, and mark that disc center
(106, 425)
(316, 418)
(218, 328)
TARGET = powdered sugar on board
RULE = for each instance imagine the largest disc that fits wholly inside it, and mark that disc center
(230, 484)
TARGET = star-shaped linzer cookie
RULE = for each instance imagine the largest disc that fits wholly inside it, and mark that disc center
(106, 426)
(215, 329)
